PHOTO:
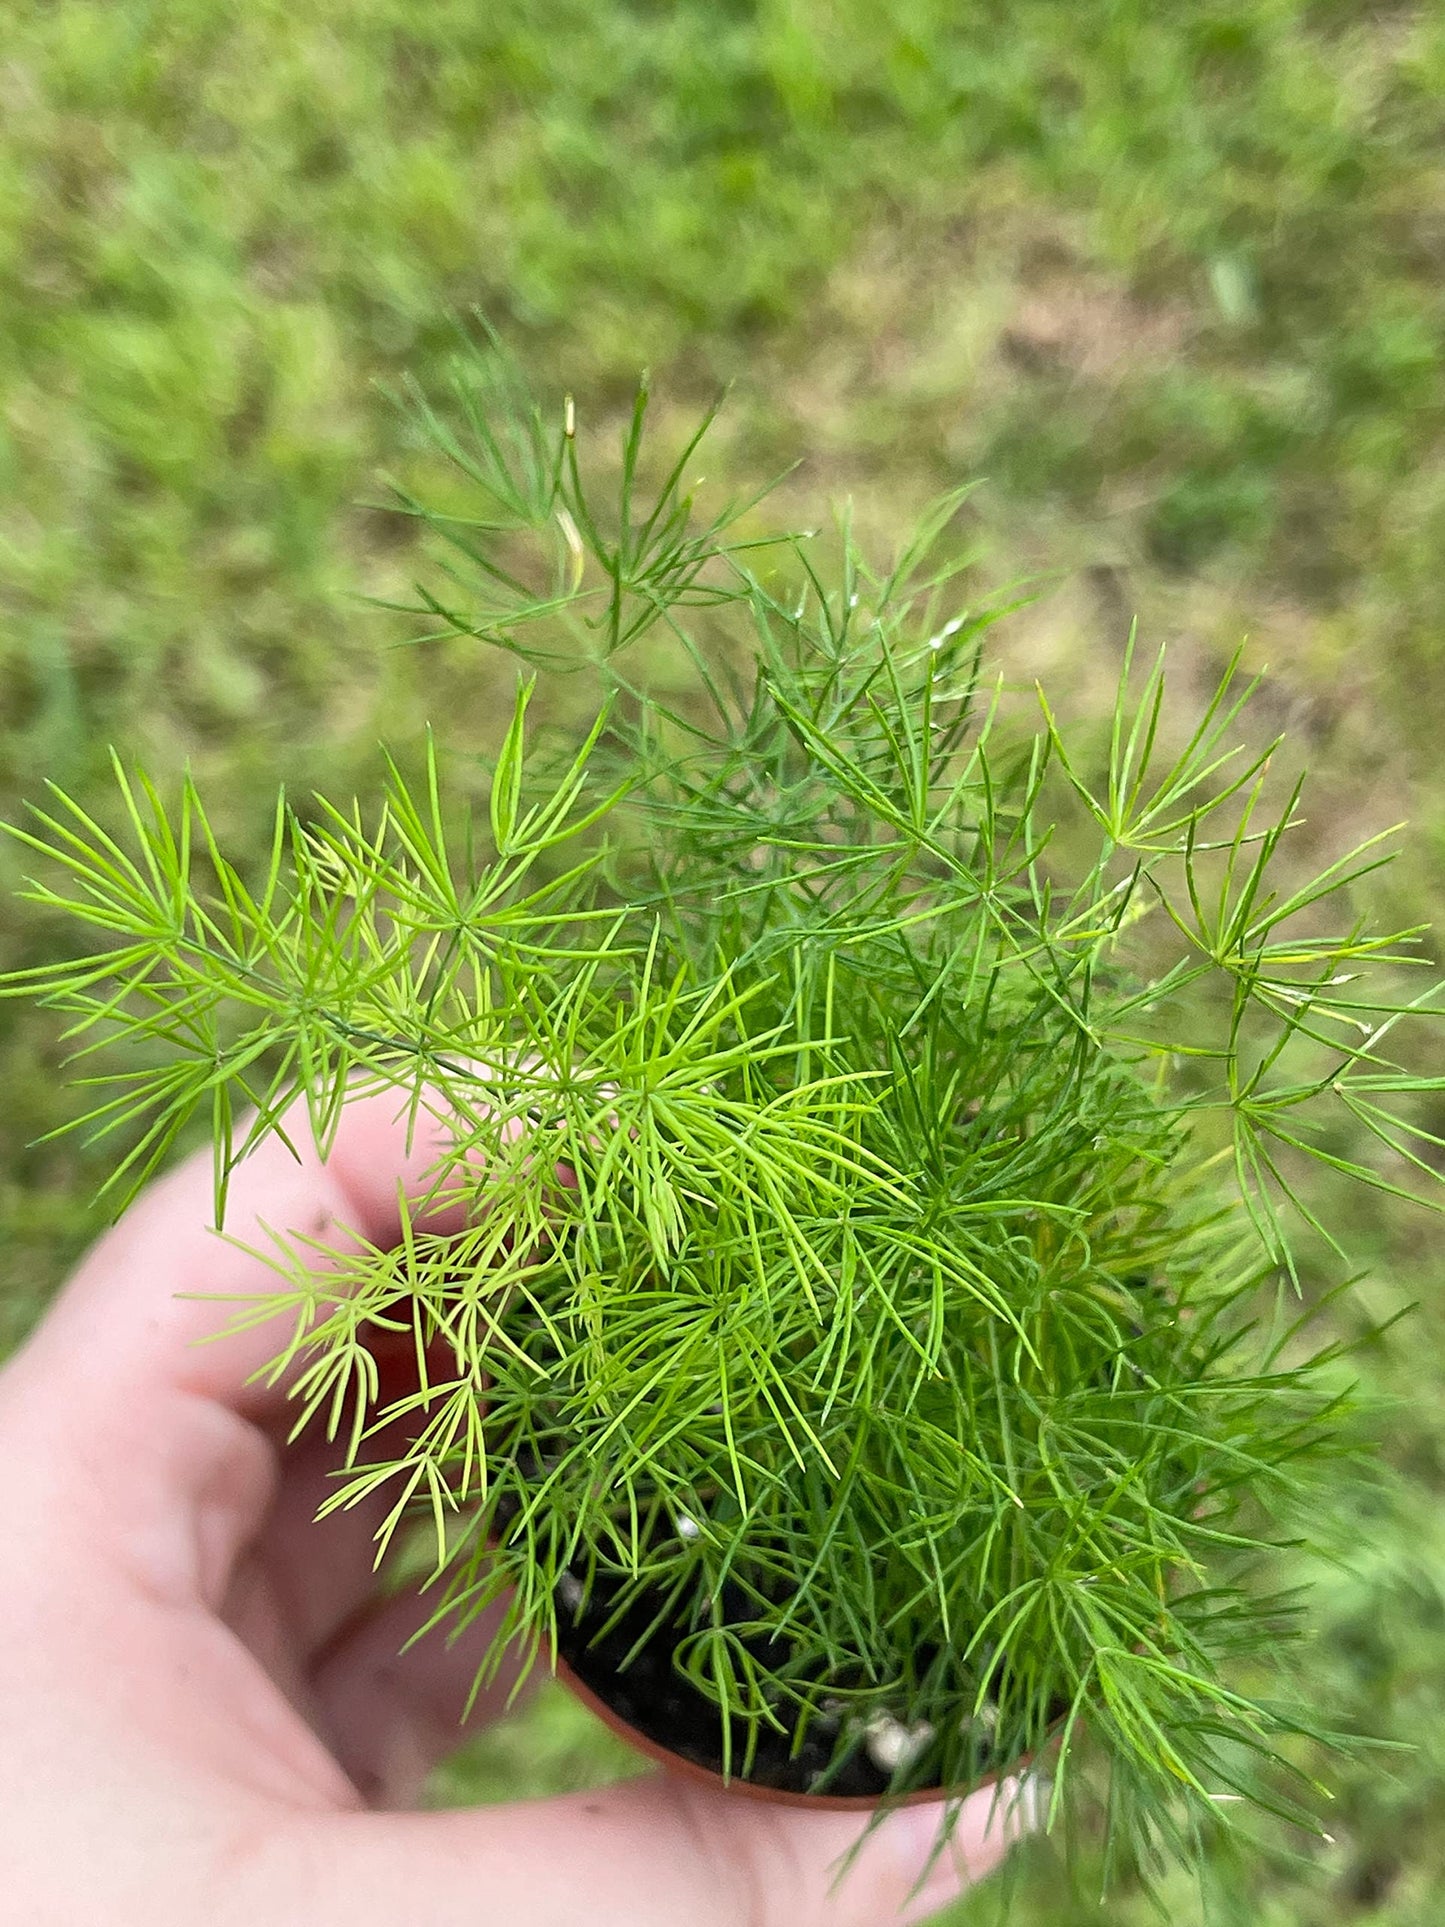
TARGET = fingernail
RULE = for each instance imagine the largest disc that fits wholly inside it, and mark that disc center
(1031, 1803)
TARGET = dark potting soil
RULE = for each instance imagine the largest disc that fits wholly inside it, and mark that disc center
(650, 1694)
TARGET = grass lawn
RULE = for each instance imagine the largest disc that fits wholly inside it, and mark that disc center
(1169, 280)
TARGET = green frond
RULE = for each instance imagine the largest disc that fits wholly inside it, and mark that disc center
(878, 1116)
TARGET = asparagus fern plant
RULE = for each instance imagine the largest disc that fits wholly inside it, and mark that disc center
(881, 1128)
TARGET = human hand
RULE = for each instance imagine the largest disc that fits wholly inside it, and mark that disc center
(203, 1715)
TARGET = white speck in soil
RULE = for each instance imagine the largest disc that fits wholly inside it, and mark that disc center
(891, 1744)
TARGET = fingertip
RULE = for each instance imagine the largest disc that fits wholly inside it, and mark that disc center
(389, 1149)
(944, 1848)
(847, 1871)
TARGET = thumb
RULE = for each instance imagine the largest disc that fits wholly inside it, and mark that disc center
(654, 1852)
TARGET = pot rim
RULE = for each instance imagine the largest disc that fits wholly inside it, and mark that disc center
(687, 1769)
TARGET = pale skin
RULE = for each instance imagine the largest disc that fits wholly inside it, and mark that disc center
(204, 1713)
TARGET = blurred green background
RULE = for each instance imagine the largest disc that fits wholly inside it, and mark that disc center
(1171, 280)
